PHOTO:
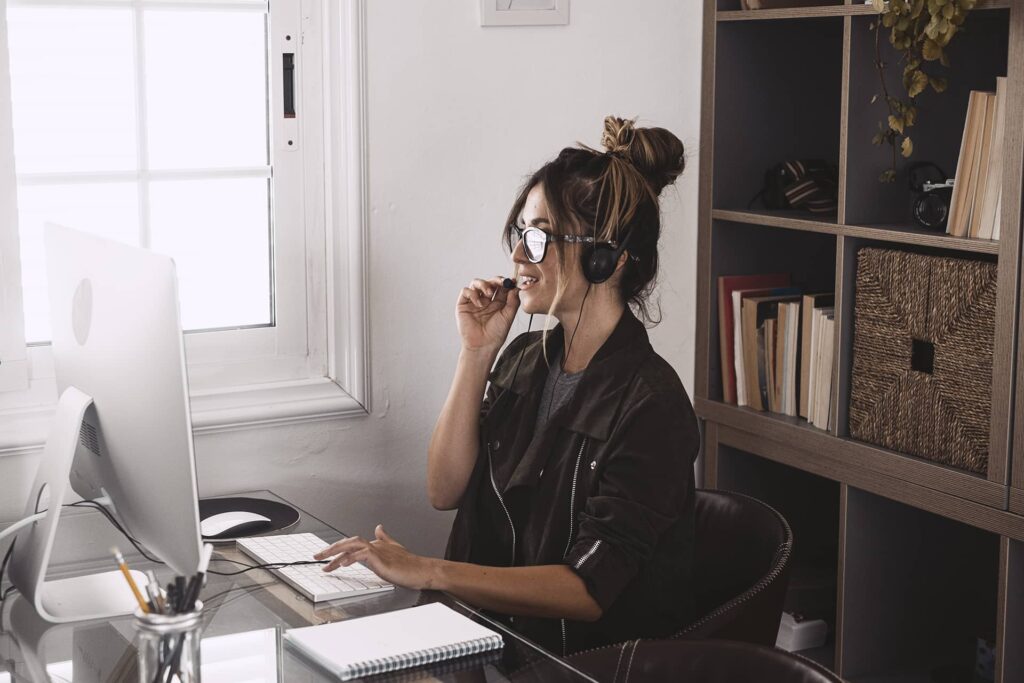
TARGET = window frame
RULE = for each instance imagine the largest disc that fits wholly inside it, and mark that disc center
(320, 370)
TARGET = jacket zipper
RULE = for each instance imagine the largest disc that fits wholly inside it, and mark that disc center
(572, 519)
(490, 467)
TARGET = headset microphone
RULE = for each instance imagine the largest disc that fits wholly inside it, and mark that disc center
(507, 283)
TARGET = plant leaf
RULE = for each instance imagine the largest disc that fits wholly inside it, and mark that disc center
(931, 50)
(909, 117)
(907, 147)
(879, 5)
(918, 82)
(874, 98)
(939, 83)
(887, 176)
(896, 123)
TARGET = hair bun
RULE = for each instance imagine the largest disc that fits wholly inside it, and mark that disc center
(655, 152)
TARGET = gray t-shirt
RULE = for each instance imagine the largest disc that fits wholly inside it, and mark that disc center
(558, 391)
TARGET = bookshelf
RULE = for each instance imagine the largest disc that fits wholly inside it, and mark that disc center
(908, 560)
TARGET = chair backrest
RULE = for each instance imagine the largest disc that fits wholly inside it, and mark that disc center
(741, 568)
(707, 661)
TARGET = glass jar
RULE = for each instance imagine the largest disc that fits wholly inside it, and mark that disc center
(169, 643)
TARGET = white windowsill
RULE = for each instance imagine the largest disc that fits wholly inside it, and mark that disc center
(213, 411)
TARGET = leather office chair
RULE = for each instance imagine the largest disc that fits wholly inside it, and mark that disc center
(741, 568)
(706, 661)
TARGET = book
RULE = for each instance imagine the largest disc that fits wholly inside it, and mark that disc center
(982, 162)
(365, 646)
(791, 361)
(818, 317)
(728, 324)
(759, 390)
(994, 180)
(962, 199)
(769, 391)
(755, 311)
(823, 394)
(810, 303)
(737, 307)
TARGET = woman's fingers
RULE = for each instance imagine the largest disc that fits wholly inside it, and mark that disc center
(344, 545)
(482, 292)
(486, 288)
(347, 558)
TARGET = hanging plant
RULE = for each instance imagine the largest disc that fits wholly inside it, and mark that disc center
(920, 31)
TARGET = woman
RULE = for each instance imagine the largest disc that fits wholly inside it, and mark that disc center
(572, 473)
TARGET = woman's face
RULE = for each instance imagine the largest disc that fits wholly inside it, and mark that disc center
(538, 282)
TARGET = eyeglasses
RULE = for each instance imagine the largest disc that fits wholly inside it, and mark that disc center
(535, 241)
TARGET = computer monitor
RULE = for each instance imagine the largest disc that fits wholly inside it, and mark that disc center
(119, 361)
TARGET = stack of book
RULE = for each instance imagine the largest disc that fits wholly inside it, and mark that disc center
(977, 190)
(776, 346)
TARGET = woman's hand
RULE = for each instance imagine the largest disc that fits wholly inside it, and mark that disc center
(389, 559)
(485, 312)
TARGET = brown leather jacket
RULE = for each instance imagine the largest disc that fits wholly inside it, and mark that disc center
(606, 487)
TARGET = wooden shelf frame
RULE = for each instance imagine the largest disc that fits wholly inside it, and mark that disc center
(991, 504)
(847, 10)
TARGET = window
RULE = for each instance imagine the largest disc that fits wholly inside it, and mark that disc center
(195, 128)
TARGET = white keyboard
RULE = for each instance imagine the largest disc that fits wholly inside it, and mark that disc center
(310, 579)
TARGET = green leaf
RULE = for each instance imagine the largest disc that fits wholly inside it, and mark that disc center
(887, 176)
(878, 139)
(918, 82)
(888, 20)
(947, 11)
(907, 148)
(909, 117)
(896, 123)
(931, 50)
(943, 59)
(939, 83)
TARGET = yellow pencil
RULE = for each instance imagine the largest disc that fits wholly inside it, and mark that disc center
(131, 582)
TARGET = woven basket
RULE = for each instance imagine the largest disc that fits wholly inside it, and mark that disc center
(922, 356)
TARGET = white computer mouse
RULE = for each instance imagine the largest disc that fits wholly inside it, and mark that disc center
(237, 522)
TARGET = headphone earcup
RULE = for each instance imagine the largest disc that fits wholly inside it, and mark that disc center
(599, 262)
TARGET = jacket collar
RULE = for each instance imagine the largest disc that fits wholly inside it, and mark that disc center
(597, 397)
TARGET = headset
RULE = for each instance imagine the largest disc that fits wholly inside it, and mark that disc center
(600, 259)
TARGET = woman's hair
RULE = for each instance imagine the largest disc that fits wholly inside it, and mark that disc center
(610, 194)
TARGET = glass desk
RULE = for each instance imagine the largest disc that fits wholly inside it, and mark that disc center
(245, 617)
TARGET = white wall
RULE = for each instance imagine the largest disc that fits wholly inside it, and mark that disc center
(458, 116)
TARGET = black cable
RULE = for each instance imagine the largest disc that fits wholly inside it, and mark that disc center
(3, 568)
(117, 525)
(561, 365)
(138, 546)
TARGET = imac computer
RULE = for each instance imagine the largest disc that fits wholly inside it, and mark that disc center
(122, 430)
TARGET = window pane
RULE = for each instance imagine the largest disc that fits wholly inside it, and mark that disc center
(73, 89)
(206, 88)
(110, 210)
(217, 231)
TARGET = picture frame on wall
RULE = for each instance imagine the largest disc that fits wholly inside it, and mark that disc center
(524, 12)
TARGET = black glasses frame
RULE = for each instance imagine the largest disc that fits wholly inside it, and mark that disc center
(548, 237)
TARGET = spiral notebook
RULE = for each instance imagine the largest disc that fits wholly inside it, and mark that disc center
(394, 640)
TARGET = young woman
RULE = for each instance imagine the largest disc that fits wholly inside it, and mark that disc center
(572, 472)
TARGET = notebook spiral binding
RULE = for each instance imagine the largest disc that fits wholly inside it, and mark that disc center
(421, 657)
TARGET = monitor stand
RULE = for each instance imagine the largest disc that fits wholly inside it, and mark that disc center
(93, 596)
